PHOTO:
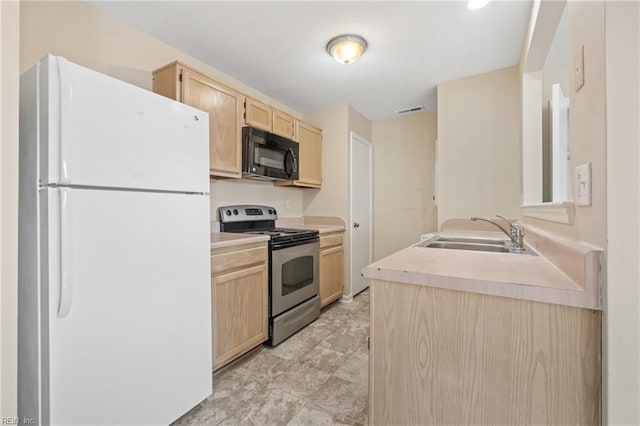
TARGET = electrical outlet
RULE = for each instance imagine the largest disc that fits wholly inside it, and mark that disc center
(583, 185)
(287, 204)
(578, 66)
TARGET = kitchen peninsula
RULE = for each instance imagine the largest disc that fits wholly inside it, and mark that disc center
(461, 337)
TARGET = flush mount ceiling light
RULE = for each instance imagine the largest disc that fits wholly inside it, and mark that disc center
(477, 4)
(347, 48)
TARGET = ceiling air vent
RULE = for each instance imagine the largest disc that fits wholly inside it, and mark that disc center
(410, 110)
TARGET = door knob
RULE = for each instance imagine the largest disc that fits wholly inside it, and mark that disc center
(356, 225)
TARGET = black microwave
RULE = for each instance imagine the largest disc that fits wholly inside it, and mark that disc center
(267, 156)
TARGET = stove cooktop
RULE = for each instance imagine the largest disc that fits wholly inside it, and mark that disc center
(255, 219)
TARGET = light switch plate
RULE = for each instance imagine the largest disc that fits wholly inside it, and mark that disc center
(583, 185)
(578, 65)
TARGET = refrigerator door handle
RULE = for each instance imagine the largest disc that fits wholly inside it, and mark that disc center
(66, 93)
(66, 253)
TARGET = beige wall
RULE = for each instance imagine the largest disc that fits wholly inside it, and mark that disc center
(604, 130)
(231, 191)
(587, 122)
(359, 124)
(333, 198)
(403, 181)
(479, 167)
(9, 75)
(92, 38)
(621, 375)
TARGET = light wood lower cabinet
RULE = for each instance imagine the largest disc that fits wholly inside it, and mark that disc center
(331, 267)
(439, 356)
(239, 296)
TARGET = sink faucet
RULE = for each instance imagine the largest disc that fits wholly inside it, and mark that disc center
(515, 233)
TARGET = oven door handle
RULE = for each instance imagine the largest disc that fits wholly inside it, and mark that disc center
(286, 244)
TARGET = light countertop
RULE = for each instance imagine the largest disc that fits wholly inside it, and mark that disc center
(228, 239)
(323, 229)
(322, 224)
(527, 277)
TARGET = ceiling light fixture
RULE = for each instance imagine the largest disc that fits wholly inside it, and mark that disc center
(347, 48)
(477, 4)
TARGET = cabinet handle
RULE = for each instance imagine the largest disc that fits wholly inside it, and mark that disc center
(356, 225)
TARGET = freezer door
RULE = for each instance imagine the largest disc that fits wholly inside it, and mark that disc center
(100, 131)
(129, 314)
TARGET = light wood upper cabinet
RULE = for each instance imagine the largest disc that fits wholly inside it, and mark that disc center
(258, 115)
(284, 124)
(224, 105)
(239, 301)
(331, 267)
(264, 117)
(230, 110)
(310, 161)
(310, 157)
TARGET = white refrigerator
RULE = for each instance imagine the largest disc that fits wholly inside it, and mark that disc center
(114, 299)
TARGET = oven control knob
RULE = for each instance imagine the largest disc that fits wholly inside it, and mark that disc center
(228, 212)
(270, 211)
(274, 211)
(235, 211)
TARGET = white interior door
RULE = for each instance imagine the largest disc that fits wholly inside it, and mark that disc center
(129, 314)
(361, 226)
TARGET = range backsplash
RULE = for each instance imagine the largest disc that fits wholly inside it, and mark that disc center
(287, 201)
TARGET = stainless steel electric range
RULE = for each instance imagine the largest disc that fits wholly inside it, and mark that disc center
(293, 267)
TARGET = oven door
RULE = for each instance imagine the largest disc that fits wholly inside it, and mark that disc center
(294, 275)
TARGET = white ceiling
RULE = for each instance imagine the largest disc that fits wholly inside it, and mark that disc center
(278, 48)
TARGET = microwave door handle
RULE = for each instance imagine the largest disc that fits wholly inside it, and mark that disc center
(294, 163)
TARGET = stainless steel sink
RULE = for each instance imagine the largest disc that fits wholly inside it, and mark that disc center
(471, 244)
(466, 246)
(471, 240)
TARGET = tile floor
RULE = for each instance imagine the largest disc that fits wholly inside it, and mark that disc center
(317, 377)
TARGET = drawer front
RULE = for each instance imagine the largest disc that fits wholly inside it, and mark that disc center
(330, 240)
(238, 259)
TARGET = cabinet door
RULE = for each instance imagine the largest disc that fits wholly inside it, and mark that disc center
(283, 124)
(224, 106)
(310, 162)
(239, 312)
(258, 115)
(330, 275)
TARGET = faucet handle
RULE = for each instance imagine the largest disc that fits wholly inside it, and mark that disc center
(515, 229)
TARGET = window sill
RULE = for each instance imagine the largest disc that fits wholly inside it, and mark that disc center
(553, 212)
